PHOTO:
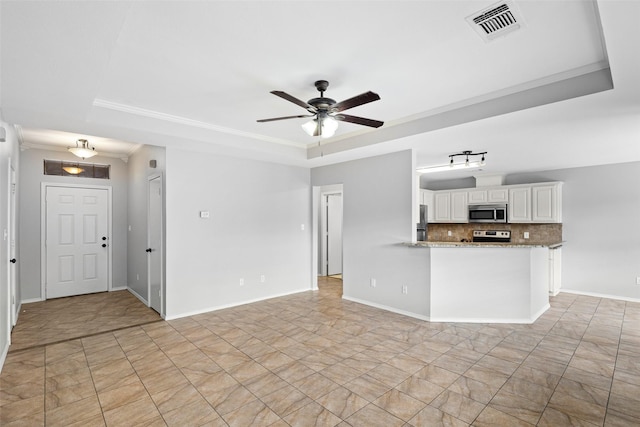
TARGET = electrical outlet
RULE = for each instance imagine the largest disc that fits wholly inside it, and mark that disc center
(263, 279)
(405, 289)
(137, 277)
(526, 234)
(373, 282)
(241, 282)
(449, 233)
(301, 227)
(637, 280)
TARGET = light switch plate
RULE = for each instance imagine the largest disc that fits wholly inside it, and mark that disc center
(204, 214)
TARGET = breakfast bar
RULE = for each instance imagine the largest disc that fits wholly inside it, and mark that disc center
(487, 282)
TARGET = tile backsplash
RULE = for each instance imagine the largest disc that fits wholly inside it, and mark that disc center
(538, 233)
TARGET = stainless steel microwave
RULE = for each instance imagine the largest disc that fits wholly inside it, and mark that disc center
(488, 213)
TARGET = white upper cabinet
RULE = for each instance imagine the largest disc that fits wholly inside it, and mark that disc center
(459, 206)
(451, 206)
(526, 203)
(477, 197)
(442, 201)
(546, 203)
(498, 195)
(519, 204)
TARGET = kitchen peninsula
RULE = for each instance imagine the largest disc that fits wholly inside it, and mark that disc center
(487, 282)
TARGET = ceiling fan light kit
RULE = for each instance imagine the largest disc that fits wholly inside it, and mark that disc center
(324, 111)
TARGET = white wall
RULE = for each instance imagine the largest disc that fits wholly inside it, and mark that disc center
(377, 218)
(31, 177)
(9, 154)
(601, 227)
(256, 212)
(138, 174)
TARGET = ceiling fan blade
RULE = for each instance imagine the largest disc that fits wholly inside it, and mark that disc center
(295, 100)
(283, 118)
(358, 120)
(363, 98)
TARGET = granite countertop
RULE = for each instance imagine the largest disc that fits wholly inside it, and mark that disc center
(432, 244)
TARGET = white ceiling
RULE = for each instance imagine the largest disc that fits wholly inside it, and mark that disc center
(198, 75)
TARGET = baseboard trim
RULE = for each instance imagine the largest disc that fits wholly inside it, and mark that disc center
(387, 308)
(137, 295)
(29, 301)
(599, 295)
(522, 321)
(222, 307)
(119, 288)
(3, 356)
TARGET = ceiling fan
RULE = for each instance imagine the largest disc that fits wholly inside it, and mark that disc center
(326, 111)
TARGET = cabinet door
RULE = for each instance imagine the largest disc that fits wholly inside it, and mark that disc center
(520, 204)
(459, 207)
(443, 206)
(544, 203)
(427, 199)
(477, 197)
(498, 195)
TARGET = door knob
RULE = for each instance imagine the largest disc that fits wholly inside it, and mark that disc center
(104, 245)
(148, 250)
(13, 260)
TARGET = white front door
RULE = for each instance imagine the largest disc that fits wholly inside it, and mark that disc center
(77, 232)
(154, 243)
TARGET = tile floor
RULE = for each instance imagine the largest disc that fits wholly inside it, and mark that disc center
(62, 319)
(313, 359)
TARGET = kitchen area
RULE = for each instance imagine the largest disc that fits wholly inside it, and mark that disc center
(494, 250)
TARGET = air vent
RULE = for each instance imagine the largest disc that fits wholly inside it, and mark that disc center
(496, 20)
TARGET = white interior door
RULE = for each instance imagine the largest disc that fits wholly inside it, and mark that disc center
(12, 245)
(154, 243)
(77, 239)
(334, 234)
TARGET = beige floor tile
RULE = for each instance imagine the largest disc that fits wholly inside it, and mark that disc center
(195, 413)
(286, 400)
(458, 406)
(374, 416)
(399, 404)
(315, 358)
(74, 412)
(490, 417)
(254, 413)
(138, 412)
(430, 416)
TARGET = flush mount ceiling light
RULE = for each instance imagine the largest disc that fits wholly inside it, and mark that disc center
(325, 111)
(467, 164)
(73, 170)
(82, 149)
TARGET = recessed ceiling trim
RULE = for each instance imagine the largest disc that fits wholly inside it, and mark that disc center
(581, 85)
(129, 109)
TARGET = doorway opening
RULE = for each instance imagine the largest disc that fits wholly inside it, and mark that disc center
(328, 221)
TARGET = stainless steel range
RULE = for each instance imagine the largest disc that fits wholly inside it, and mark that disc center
(497, 236)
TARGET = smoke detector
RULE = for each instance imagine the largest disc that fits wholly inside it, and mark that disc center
(497, 20)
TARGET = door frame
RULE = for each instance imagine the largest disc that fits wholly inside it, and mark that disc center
(43, 232)
(13, 231)
(162, 291)
(324, 247)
